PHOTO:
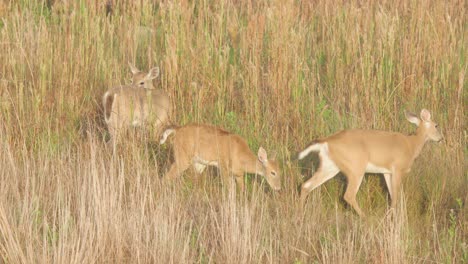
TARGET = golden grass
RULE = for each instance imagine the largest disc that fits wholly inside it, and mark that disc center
(279, 73)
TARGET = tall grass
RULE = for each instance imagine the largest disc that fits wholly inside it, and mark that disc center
(279, 73)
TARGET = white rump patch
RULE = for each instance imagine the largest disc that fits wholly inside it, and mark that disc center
(165, 135)
(371, 168)
(328, 166)
(328, 169)
(312, 148)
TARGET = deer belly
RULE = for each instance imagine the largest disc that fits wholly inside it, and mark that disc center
(372, 168)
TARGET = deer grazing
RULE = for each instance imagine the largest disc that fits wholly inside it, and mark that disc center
(201, 145)
(355, 152)
(136, 105)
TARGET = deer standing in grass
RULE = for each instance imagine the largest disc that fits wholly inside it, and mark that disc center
(136, 105)
(201, 145)
(355, 152)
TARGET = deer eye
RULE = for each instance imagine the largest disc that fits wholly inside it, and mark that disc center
(273, 173)
(437, 126)
(142, 83)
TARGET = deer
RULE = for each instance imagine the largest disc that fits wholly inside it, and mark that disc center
(202, 145)
(136, 105)
(356, 152)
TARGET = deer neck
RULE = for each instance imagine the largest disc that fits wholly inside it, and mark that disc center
(417, 141)
(253, 165)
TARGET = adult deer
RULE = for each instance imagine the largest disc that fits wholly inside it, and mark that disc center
(136, 105)
(201, 145)
(355, 152)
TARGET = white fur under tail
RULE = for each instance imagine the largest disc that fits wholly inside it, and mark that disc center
(315, 147)
(165, 135)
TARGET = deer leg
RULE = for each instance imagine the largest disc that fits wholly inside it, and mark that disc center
(388, 181)
(326, 171)
(175, 171)
(115, 139)
(178, 167)
(199, 168)
(396, 182)
(240, 182)
(354, 182)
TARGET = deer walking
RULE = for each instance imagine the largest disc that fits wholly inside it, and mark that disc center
(201, 145)
(355, 152)
(136, 105)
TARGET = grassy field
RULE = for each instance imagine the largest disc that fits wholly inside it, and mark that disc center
(279, 73)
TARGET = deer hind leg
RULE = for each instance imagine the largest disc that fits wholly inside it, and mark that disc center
(327, 170)
(115, 136)
(354, 182)
(180, 165)
(176, 170)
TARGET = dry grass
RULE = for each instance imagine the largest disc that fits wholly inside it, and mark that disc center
(280, 73)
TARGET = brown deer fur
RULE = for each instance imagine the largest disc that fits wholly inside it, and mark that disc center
(201, 145)
(355, 152)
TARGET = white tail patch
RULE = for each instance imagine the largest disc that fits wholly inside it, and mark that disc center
(165, 135)
(316, 147)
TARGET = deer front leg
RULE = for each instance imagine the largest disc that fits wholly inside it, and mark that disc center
(396, 183)
(198, 168)
(388, 181)
(240, 182)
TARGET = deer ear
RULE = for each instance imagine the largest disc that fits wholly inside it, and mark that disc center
(133, 69)
(425, 115)
(153, 73)
(262, 156)
(412, 117)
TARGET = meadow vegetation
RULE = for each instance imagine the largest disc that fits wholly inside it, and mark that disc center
(279, 73)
